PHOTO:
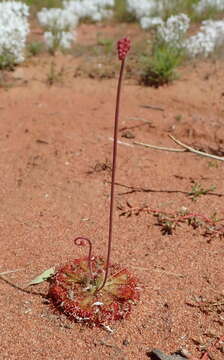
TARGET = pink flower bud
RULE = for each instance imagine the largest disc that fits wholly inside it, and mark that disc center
(123, 47)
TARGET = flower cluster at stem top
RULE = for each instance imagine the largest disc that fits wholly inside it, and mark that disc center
(123, 46)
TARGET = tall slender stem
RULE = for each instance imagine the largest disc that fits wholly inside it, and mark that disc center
(113, 174)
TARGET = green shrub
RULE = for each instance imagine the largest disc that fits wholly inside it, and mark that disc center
(7, 61)
(35, 48)
(107, 45)
(39, 4)
(160, 68)
(187, 7)
(179, 6)
(121, 14)
(210, 12)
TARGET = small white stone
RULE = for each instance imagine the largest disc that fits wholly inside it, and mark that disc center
(98, 303)
(108, 328)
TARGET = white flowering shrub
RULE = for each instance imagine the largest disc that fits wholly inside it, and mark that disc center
(143, 8)
(61, 19)
(59, 27)
(150, 8)
(210, 37)
(150, 13)
(206, 41)
(167, 51)
(173, 30)
(160, 68)
(59, 40)
(14, 29)
(205, 5)
(95, 10)
(150, 22)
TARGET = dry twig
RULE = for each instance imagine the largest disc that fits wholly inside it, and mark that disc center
(185, 147)
(10, 272)
(168, 221)
(152, 107)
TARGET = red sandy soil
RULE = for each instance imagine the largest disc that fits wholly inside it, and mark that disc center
(54, 187)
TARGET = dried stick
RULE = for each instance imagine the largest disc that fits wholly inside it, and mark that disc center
(152, 107)
(206, 355)
(159, 147)
(186, 149)
(10, 271)
(190, 149)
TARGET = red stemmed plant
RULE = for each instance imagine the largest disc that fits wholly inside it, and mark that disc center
(90, 289)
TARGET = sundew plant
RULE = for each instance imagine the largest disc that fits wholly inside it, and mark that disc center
(91, 290)
(14, 28)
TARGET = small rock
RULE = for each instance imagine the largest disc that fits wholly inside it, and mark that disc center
(126, 342)
(157, 354)
(128, 135)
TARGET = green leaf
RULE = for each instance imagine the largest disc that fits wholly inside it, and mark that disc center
(47, 274)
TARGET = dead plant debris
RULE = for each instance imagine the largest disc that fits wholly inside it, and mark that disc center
(100, 166)
(214, 306)
(169, 221)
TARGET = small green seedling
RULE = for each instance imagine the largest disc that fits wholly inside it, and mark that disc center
(35, 48)
(107, 44)
(213, 164)
(160, 68)
(197, 190)
(178, 117)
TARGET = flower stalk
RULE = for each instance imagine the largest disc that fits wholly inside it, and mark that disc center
(123, 47)
(92, 290)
